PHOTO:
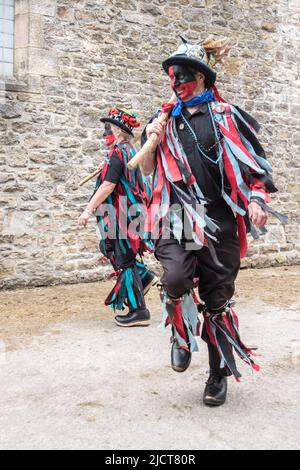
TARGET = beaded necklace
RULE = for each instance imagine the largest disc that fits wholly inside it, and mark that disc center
(203, 151)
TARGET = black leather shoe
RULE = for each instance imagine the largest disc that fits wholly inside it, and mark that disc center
(149, 280)
(134, 318)
(215, 392)
(180, 358)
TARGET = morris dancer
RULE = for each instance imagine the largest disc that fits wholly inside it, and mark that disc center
(209, 165)
(115, 185)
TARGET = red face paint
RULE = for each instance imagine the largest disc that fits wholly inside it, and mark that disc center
(108, 134)
(182, 81)
(109, 140)
(172, 77)
(185, 90)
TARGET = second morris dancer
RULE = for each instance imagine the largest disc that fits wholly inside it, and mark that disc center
(121, 189)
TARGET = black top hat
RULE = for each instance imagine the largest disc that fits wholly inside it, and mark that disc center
(123, 119)
(192, 56)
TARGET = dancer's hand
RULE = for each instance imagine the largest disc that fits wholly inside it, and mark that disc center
(84, 218)
(257, 215)
(157, 128)
(101, 166)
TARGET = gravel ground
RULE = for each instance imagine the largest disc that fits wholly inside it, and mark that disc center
(71, 379)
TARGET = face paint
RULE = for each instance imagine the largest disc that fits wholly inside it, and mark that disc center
(108, 134)
(182, 81)
(109, 140)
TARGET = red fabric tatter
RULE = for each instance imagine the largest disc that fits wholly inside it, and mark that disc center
(178, 322)
(170, 160)
(217, 95)
(195, 297)
(228, 325)
(167, 107)
(260, 187)
(232, 134)
(242, 234)
(192, 180)
(230, 173)
(235, 317)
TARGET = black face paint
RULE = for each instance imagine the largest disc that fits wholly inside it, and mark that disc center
(181, 74)
(108, 134)
(107, 129)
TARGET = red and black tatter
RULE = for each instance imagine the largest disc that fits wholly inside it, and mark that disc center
(183, 81)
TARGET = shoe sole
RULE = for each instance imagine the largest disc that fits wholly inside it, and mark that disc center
(151, 284)
(179, 369)
(137, 323)
(211, 402)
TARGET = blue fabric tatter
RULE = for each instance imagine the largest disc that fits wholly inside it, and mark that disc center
(205, 97)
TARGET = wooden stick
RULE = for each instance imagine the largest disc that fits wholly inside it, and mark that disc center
(151, 143)
(90, 176)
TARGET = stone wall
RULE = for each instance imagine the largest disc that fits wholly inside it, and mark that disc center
(72, 60)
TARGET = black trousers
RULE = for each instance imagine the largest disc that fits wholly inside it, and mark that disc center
(216, 281)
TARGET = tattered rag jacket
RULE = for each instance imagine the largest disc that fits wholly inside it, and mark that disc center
(243, 167)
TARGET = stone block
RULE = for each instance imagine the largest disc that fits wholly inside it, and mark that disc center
(18, 223)
(198, 3)
(138, 18)
(65, 13)
(22, 6)
(269, 26)
(43, 7)
(172, 13)
(21, 30)
(21, 61)
(89, 118)
(294, 188)
(35, 142)
(35, 33)
(42, 62)
(69, 143)
(9, 110)
(7, 269)
(233, 66)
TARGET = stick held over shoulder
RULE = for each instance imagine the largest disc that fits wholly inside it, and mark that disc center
(151, 143)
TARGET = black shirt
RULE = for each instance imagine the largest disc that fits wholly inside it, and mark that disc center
(115, 169)
(206, 173)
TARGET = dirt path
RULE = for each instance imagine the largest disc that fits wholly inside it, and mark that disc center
(70, 378)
